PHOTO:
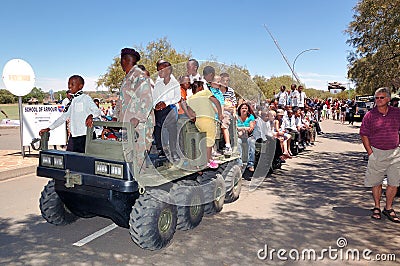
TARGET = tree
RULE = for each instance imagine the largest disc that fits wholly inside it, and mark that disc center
(35, 93)
(114, 76)
(375, 35)
(7, 97)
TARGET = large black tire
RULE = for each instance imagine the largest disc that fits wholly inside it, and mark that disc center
(52, 208)
(189, 199)
(153, 219)
(233, 181)
(214, 188)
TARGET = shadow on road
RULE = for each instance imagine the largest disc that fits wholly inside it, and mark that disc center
(320, 201)
(353, 138)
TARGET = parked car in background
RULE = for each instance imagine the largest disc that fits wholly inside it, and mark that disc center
(361, 109)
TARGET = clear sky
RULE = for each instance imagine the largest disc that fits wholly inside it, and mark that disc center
(62, 38)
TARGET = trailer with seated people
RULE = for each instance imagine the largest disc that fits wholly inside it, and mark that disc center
(151, 197)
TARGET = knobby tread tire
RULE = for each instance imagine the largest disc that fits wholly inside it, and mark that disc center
(233, 181)
(144, 218)
(52, 208)
(184, 192)
(210, 185)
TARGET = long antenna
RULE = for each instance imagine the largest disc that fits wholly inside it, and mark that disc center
(283, 55)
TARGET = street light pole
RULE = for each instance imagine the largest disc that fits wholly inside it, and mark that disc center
(302, 52)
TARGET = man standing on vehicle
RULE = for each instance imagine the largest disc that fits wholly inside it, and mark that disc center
(136, 104)
(80, 110)
(380, 136)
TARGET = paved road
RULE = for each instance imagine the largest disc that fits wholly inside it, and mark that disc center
(315, 199)
(9, 138)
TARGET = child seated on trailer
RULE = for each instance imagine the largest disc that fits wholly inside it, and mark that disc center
(205, 105)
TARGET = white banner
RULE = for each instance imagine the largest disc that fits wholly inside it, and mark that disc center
(36, 117)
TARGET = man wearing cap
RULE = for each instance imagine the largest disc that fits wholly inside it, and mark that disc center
(135, 103)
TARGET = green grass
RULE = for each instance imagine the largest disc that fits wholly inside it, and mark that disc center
(11, 110)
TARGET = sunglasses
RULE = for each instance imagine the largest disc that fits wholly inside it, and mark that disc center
(380, 97)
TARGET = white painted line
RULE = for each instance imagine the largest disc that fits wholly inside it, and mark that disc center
(95, 235)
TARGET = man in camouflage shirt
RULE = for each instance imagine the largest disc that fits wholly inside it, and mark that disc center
(135, 106)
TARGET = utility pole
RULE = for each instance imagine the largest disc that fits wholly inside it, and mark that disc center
(283, 55)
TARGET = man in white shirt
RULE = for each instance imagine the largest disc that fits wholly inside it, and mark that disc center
(294, 96)
(282, 97)
(192, 67)
(166, 95)
(80, 110)
(302, 98)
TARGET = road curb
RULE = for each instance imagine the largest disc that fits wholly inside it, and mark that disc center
(5, 175)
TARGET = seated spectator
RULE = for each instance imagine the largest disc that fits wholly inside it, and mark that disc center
(245, 127)
(289, 125)
(281, 134)
(303, 128)
(270, 127)
(260, 131)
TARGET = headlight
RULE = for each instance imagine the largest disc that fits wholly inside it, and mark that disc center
(109, 169)
(58, 161)
(46, 160)
(52, 161)
(116, 170)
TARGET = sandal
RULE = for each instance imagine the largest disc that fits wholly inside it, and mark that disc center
(376, 215)
(393, 217)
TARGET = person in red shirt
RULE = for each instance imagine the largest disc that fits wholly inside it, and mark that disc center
(380, 136)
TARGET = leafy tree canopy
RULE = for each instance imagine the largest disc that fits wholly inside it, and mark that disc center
(375, 35)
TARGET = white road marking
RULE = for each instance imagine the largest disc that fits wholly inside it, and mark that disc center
(95, 235)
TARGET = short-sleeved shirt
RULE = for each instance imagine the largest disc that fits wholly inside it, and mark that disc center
(201, 104)
(382, 130)
(230, 98)
(245, 123)
(282, 97)
(218, 94)
(184, 96)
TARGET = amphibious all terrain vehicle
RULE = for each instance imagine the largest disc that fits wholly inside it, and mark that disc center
(152, 200)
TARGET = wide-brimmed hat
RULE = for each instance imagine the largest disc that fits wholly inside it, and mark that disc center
(280, 112)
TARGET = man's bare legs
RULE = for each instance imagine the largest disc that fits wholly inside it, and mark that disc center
(390, 194)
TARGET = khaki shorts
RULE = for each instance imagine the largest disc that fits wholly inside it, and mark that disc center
(381, 163)
(206, 124)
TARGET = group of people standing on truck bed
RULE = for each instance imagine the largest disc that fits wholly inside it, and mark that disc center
(154, 108)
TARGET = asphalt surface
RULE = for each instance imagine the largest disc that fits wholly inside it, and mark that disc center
(315, 202)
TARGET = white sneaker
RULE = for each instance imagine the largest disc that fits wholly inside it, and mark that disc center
(227, 151)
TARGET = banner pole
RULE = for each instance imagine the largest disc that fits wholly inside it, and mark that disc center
(21, 125)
